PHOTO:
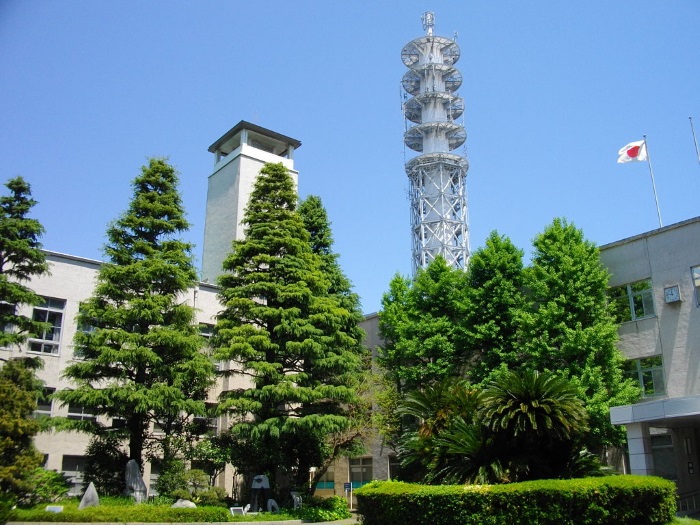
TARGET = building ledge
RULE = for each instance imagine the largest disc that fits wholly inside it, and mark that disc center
(659, 411)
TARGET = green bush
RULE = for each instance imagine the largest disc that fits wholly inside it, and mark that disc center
(123, 514)
(47, 486)
(613, 500)
(323, 509)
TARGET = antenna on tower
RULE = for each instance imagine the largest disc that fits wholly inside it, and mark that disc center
(437, 175)
(428, 19)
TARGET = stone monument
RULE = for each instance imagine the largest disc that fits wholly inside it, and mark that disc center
(90, 498)
(134, 482)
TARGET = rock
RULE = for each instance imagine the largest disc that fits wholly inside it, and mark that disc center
(90, 498)
(54, 508)
(183, 504)
(135, 486)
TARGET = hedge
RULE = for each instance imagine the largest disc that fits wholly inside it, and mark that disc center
(135, 513)
(613, 500)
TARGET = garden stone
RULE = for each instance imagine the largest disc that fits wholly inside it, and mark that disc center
(134, 482)
(90, 498)
(54, 508)
(183, 504)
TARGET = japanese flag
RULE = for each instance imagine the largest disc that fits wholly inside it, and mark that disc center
(633, 151)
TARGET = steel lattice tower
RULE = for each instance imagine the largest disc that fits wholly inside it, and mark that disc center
(439, 215)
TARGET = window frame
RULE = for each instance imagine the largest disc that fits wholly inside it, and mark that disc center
(42, 412)
(648, 373)
(695, 277)
(360, 463)
(78, 412)
(625, 298)
(50, 338)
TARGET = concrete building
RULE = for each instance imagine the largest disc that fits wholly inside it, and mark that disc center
(239, 155)
(70, 282)
(656, 282)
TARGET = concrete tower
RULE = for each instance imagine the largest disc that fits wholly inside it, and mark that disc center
(239, 156)
(439, 217)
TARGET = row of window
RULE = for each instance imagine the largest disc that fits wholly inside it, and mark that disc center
(51, 312)
(635, 301)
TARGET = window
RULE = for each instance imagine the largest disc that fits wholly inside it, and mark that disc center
(327, 481)
(649, 371)
(360, 471)
(7, 311)
(394, 467)
(633, 301)
(153, 478)
(50, 312)
(695, 271)
(88, 329)
(76, 411)
(74, 467)
(43, 404)
(661, 441)
(206, 330)
(204, 424)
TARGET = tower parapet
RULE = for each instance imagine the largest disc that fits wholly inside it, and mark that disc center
(439, 215)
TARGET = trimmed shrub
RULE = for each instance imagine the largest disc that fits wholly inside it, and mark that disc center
(613, 500)
(119, 514)
(323, 509)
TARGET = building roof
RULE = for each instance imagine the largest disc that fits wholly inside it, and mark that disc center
(650, 233)
(258, 129)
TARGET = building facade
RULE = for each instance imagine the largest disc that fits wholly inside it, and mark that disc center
(656, 284)
(239, 155)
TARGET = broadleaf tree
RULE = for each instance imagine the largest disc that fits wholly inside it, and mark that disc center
(21, 258)
(142, 359)
(570, 327)
(495, 299)
(288, 336)
(421, 326)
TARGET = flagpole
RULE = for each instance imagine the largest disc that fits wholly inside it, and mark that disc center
(653, 184)
(695, 141)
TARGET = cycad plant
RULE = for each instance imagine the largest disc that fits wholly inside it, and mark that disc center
(536, 418)
(523, 425)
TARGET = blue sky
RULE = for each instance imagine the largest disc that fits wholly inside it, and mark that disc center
(90, 89)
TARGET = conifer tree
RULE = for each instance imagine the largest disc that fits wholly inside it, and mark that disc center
(21, 258)
(569, 326)
(339, 288)
(287, 334)
(142, 358)
(19, 391)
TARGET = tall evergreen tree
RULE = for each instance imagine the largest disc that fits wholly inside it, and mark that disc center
(570, 328)
(19, 391)
(349, 440)
(421, 325)
(495, 299)
(142, 358)
(21, 258)
(287, 334)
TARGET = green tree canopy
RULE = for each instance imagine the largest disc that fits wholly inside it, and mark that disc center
(142, 358)
(19, 391)
(348, 336)
(569, 325)
(421, 324)
(495, 299)
(287, 332)
(21, 258)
